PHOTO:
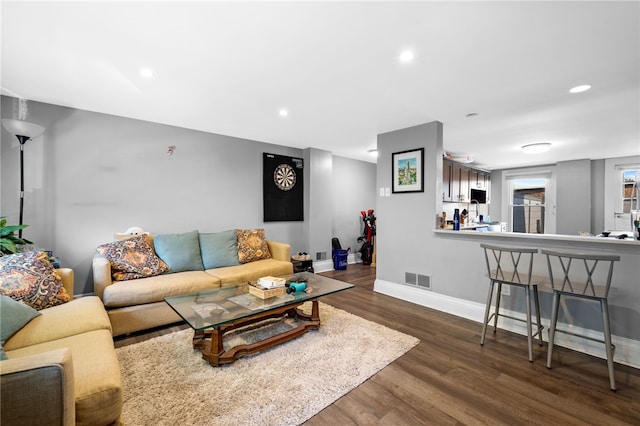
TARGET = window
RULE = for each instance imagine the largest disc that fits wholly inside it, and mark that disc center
(529, 200)
(528, 205)
(630, 190)
(620, 192)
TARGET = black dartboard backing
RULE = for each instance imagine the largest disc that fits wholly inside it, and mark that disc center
(282, 178)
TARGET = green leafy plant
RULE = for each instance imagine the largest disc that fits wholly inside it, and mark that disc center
(9, 242)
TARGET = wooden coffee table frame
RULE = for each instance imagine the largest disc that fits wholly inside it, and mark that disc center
(211, 341)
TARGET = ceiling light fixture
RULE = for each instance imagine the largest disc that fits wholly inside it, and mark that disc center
(580, 89)
(536, 148)
(284, 113)
(458, 157)
(373, 152)
(472, 115)
(406, 56)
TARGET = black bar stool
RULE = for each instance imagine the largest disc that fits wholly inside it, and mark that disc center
(511, 266)
(586, 277)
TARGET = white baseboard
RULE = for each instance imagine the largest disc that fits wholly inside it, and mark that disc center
(626, 349)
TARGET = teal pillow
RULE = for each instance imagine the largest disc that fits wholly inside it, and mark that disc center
(219, 249)
(180, 251)
(13, 316)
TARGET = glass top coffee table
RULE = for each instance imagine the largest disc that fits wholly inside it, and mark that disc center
(212, 313)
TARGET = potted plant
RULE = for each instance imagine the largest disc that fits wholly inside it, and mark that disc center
(9, 242)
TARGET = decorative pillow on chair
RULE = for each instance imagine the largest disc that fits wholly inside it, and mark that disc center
(13, 316)
(252, 245)
(180, 251)
(30, 278)
(132, 258)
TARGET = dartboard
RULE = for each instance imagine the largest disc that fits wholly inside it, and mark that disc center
(284, 177)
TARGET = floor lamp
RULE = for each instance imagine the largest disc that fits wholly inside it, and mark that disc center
(23, 131)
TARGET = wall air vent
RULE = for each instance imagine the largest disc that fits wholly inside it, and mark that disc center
(417, 280)
(424, 281)
(410, 278)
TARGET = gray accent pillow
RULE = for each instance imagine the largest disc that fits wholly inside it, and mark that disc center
(180, 251)
(219, 249)
(13, 316)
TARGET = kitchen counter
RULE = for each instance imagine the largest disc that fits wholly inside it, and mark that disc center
(473, 226)
(573, 242)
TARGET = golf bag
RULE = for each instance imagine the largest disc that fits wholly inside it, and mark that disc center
(366, 250)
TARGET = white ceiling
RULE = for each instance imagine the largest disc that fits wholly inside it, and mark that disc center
(229, 67)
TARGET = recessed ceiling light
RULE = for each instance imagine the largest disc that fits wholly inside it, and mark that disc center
(283, 113)
(536, 148)
(373, 152)
(580, 89)
(406, 56)
(146, 72)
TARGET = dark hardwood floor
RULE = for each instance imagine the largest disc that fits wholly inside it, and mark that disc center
(448, 378)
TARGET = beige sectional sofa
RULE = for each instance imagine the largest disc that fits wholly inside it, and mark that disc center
(62, 366)
(138, 304)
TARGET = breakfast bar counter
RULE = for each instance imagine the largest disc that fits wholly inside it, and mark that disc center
(573, 242)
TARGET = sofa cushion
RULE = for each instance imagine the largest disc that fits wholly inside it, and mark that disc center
(76, 317)
(30, 278)
(252, 245)
(155, 289)
(180, 251)
(97, 379)
(13, 316)
(132, 258)
(219, 249)
(233, 275)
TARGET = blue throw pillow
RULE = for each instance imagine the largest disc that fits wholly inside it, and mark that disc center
(219, 249)
(180, 251)
(13, 316)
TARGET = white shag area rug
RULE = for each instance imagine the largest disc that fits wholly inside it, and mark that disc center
(166, 381)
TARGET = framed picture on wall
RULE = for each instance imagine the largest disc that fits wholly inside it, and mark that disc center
(407, 170)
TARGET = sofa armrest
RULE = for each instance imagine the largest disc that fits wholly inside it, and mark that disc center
(67, 279)
(101, 275)
(38, 389)
(279, 251)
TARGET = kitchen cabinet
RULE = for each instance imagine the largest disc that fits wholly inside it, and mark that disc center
(447, 180)
(461, 190)
(458, 179)
(478, 179)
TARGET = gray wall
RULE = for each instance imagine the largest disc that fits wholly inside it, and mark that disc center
(354, 190)
(406, 242)
(597, 196)
(573, 197)
(91, 175)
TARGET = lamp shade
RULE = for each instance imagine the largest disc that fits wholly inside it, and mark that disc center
(22, 128)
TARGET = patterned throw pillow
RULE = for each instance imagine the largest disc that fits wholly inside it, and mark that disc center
(132, 258)
(30, 278)
(252, 245)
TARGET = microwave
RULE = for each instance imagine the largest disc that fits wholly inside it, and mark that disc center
(479, 195)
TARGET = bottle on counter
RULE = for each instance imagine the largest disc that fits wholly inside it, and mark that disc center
(443, 220)
(456, 220)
